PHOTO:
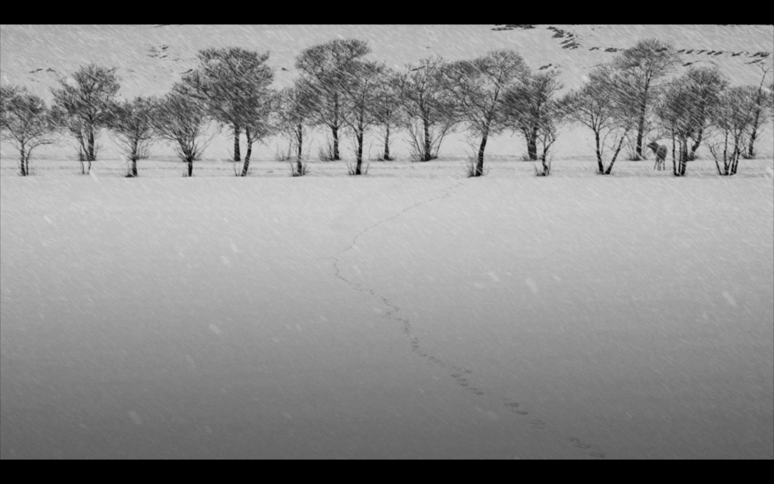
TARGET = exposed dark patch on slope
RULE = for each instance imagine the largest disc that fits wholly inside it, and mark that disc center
(499, 27)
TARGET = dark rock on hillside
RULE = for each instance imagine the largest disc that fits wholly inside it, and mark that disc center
(513, 26)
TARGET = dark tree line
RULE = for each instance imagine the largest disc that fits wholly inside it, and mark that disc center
(632, 101)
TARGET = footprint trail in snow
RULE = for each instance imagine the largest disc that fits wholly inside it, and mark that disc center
(461, 376)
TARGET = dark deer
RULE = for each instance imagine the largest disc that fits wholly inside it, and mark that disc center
(660, 151)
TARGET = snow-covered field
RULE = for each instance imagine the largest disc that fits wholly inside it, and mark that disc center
(410, 313)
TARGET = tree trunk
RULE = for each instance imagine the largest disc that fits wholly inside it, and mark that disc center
(532, 144)
(300, 138)
(246, 165)
(189, 160)
(480, 160)
(336, 156)
(237, 152)
(683, 157)
(90, 155)
(717, 162)
(359, 154)
(674, 157)
(22, 163)
(615, 155)
(426, 124)
(725, 155)
(717, 165)
(600, 165)
(133, 157)
(641, 129)
(81, 148)
(81, 153)
(387, 144)
(753, 134)
(737, 154)
(335, 131)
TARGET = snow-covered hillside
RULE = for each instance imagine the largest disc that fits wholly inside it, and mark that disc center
(394, 315)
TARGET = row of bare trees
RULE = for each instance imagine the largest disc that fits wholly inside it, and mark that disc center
(627, 102)
(85, 104)
(638, 96)
(700, 107)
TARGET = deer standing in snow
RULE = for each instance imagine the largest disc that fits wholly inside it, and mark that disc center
(660, 151)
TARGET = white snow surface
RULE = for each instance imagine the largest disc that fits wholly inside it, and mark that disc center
(409, 313)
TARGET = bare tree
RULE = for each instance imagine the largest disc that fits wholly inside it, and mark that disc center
(387, 108)
(183, 120)
(25, 122)
(546, 137)
(256, 114)
(760, 113)
(705, 85)
(527, 106)
(733, 120)
(607, 111)
(676, 120)
(294, 114)
(233, 83)
(643, 66)
(75, 127)
(326, 68)
(361, 96)
(430, 108)
(132, 123)
(547, 134)
(82, 106)
(684, 110)
(478, 87)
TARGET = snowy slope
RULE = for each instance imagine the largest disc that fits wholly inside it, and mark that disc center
(151, 59)
(394, 315)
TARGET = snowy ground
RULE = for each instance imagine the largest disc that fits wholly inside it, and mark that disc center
(409, 313)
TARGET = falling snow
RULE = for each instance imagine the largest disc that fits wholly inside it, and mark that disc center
(409, 313)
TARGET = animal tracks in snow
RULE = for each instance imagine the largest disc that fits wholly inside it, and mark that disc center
(576, 442)
(393, 311)
(461, 380)
(515, 407)
(462, 376)
(519, 409)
